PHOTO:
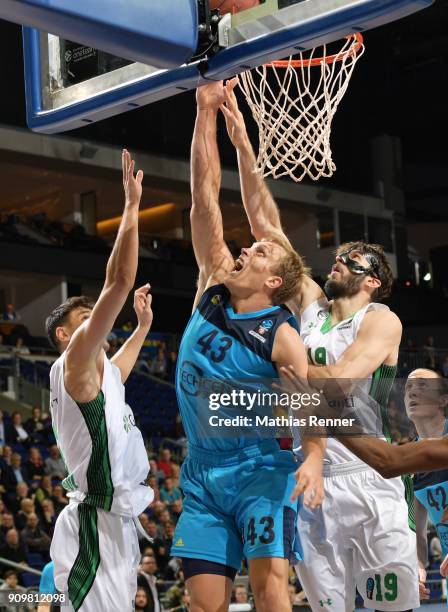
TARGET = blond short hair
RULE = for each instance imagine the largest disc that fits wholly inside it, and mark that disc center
(291, 268)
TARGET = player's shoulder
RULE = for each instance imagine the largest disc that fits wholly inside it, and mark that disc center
(382, 319)
(316, 311)
(288, 329)
(214, 294)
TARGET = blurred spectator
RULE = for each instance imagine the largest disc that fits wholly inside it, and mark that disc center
(3, 348)
(27, 508)
(175, 473)
(240, 594)
(12, 583)
(14, 549)
(144, 520)
(171, 366)
(59, 498)
(429, 353)
(154, 530)
(112, 340)
(2, 430)
(142, 601)
(146, 577)
(20, 348)
(47, 516)
(14, 474)
(15, 432)
(156, 471)
(35, 537)
(7, 523)
(152, 482)
(445, 367)
(10, 314)
(14, 500)
(35, 465)
(6, 454)
(164, 517)
(157, 546)
(168, 492)
(176, 509)
(159, 364)
(35, 426)
(164, 462)
(128, 327)
(54, 464)
(44, 490)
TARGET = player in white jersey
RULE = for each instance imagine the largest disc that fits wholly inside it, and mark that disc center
(360, 537)
(95, 545)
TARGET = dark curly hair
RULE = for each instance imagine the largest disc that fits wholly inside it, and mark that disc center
(385, 273)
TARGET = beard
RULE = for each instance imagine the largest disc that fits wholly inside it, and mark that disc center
(343, 289)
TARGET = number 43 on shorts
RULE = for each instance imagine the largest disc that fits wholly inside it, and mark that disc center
(262, 532)
(384, 590)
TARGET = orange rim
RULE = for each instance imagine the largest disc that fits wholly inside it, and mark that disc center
(317, 61)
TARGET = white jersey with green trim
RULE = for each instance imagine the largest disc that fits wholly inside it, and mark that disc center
(325, 344)
(102, 448)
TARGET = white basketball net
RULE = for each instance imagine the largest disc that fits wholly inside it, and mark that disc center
(294, 109)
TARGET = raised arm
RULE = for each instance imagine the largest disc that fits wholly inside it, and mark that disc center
(127, 356)
(377, 341)
(259, 204)
(212, 254)
(82, 371)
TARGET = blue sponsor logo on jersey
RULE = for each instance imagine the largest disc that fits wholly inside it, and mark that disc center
(190, 377)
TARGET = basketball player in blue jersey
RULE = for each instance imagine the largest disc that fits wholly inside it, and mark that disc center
(237, 487)
(348, 334)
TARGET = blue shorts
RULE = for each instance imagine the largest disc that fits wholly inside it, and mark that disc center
(238, 505)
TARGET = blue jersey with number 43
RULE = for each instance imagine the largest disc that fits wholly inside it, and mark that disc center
(223, 352)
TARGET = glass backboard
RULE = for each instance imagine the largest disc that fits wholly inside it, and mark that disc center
(70, 84)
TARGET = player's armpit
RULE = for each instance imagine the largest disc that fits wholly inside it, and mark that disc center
(309, 292)
(377, 341)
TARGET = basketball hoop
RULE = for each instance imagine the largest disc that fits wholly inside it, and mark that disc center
(294, 107)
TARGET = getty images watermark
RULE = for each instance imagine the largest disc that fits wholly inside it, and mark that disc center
(256, 403)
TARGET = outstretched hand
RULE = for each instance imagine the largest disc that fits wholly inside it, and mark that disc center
(132, 185)
(142, 306)
(236, 128)
(424, 592)
(210, 96)
(310, 482)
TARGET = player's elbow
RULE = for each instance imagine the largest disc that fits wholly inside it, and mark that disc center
(120, 280)
(386, 466)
